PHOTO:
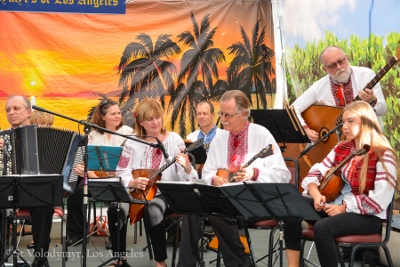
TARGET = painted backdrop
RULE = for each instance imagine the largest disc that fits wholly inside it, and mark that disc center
(180, 52)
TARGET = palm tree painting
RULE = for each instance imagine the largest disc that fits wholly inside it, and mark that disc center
(251, 68)
(144, 70)
(199, 67)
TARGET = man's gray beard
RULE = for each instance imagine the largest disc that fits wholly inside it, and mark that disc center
(343, 77)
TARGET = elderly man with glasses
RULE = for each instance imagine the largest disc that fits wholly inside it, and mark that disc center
(339, 87)
(230, 150)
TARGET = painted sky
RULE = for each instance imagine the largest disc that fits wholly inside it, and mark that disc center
(70, 53)
(343, 17)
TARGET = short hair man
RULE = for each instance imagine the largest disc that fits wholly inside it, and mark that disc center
(188, 255)
(18, 110)
(205, 116)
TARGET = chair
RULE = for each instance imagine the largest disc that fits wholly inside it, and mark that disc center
(356, 241)
(273, 225)
(23, 214)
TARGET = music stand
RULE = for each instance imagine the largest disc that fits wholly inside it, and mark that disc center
(199, 153)
(112, 190)
(28, 191)
(196, 198)
(103, 158)
(282, 123)
(270, 201)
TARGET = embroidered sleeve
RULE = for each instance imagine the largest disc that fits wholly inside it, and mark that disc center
(256, 173)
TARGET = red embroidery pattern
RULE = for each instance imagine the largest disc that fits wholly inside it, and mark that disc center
(237, 148)
(123, 162)
(156, 157)
(345, 97)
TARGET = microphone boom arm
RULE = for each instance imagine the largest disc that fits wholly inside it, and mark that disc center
(320, 140)
(86, 123)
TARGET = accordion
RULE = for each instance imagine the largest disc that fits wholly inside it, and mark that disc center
(42, 150)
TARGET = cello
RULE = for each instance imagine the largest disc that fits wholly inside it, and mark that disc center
(136, 211)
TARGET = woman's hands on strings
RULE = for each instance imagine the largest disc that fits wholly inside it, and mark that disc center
(138, 183)
(183, 160)
(320, 202)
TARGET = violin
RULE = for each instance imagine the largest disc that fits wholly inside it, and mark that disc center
(265, 152)
(332, 184)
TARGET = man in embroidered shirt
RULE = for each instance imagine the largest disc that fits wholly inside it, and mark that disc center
(339, 87)
(230, 150)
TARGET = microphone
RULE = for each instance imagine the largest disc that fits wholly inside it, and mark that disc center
(161, 146)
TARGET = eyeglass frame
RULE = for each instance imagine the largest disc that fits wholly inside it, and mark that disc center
(339, 62)
(226, 115)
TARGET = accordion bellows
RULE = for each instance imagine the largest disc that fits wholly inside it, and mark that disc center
(42, 150)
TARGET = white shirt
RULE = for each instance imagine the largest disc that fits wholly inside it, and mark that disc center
(272, 168)
(96, 138)
(320, 92)
(136, 155)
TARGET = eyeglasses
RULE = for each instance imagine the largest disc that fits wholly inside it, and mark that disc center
(226, 115)
(334, 65)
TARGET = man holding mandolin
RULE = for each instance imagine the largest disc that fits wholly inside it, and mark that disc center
(239, 150)
(370, 180)
(342, 85)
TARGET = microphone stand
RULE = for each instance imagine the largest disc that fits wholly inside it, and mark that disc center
(87, 127)
(308, 148)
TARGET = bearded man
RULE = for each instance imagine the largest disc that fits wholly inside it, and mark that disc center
(339, 87)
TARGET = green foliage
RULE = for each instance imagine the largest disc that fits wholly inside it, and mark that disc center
(374, 52)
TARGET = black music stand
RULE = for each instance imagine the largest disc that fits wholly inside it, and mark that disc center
(270, 201)
(283, 125)
(199, 153)
(111, 190)
(28, 191)
(196, 198)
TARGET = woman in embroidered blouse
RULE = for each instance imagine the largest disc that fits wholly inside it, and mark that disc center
(106, 114)
(135, 155)
(370, 181)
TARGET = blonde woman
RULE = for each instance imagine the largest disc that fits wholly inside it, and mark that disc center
(370, 182)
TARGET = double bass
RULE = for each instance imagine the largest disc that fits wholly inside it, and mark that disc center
(136, 211)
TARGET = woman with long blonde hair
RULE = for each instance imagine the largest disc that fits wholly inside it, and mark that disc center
(370, 182)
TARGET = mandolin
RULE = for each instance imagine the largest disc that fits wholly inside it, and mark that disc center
(265, 152)
(332, 184)
(136, 211)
